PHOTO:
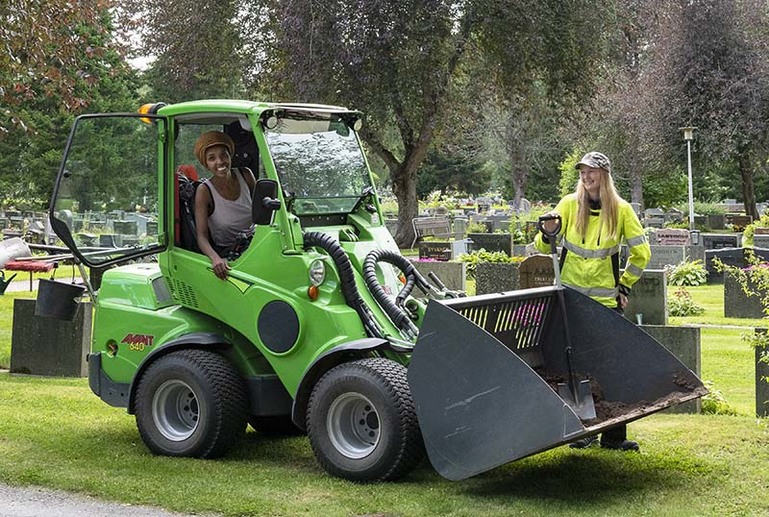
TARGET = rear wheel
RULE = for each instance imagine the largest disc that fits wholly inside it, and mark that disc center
(191, 403)
(362, 423)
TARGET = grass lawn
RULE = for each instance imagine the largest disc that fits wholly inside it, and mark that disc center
(55, 433)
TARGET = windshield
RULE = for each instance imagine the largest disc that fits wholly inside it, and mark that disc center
(320, 164)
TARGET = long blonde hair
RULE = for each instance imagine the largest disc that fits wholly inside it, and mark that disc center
(610, 201)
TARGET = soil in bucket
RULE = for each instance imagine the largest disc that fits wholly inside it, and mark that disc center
(58, 299)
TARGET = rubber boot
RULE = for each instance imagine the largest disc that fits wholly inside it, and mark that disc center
(583, 443)
(616, 438)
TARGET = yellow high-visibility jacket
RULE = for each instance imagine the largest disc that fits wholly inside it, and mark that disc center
(590, 265)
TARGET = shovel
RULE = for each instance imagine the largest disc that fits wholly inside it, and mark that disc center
(576, 393)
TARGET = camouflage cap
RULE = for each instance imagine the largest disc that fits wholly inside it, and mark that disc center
(596, 160)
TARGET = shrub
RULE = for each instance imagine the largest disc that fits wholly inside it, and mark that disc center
(714, 403)
(477, 228)
(687, 273)
(681, 303)
(481, 255)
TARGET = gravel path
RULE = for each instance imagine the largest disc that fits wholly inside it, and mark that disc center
(43, 502)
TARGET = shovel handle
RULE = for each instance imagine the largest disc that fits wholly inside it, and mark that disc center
(549, 217)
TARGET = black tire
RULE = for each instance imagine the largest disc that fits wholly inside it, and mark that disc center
(191, 403)
(362, 423)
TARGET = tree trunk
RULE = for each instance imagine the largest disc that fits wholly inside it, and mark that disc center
(636, 190)
(405, 190)
(748, 190)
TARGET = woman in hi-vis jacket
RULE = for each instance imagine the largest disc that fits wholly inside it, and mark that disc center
(595, 220)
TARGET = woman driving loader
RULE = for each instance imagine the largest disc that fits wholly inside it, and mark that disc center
(223, 209)
(594, 222)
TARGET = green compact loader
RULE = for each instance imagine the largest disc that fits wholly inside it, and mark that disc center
(321, 326)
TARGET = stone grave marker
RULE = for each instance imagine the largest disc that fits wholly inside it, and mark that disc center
(737, 304)
(761, 241)
(452, 274)
(717, 241)
(739, 221)
(435, 250)
(460, 227)
(536, 271)
(666, 256)
(673, 237)
(730, 257)
(496, 277)
(492, 242)
(648, 298)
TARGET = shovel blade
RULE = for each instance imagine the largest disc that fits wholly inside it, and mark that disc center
(583, 405)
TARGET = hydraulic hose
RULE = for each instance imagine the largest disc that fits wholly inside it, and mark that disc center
(393, 308)
(347, 278)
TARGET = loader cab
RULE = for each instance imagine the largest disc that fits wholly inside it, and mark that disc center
(121, 193)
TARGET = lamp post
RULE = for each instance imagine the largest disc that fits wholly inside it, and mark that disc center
(689, 136)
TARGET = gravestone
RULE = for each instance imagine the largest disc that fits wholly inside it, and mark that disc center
(737, 303)
(492, 242)
(460, 227)
(739, 221)
(717, 241)
(730, 257)
(762, 378)
(666, 256)
(435, 250)
(654, 218)
(649, 299)
(673, 215)
(684, 343)
(673, 237)
(459, 247)
(496, 277)
(536, 271)
(48, 346)
(761, 241)
(452, 274)
(716, 221)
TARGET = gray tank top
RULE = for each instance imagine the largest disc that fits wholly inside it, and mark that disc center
(230, 218)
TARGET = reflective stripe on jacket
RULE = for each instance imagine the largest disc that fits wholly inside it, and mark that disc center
(591, 264)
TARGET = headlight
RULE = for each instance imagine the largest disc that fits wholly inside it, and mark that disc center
(317, 272)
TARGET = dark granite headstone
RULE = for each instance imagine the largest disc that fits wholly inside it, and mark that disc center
(648, 298)
(730, 257)
(738, 304)
(717, 241)
(435, 250)
(492, 242)
(496, 277)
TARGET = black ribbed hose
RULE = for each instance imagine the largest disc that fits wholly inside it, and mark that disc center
(347, 278)
(393, 308)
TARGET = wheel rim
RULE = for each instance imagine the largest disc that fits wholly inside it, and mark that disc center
(353, 425)
(175, 410)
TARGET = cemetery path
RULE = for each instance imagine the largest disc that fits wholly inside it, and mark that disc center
(35, 501)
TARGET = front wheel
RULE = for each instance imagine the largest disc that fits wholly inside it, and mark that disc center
(191, 403)
(362, 423)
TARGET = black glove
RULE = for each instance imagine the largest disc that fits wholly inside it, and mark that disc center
(624, 290)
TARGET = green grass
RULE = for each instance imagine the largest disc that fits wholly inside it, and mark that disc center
(54, 432)
(62, 436)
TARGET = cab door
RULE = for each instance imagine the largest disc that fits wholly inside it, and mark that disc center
(107, 202)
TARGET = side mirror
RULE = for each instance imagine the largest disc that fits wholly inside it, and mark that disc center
(265, 201)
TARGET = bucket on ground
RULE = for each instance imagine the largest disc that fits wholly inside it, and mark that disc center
(58, 299)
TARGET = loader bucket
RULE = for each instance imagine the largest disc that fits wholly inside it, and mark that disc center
(485, 370)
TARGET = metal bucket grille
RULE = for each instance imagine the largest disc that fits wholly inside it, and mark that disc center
(516, 319)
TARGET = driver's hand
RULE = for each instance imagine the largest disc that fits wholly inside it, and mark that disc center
(220, 267)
